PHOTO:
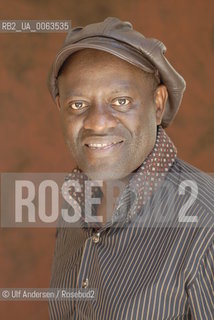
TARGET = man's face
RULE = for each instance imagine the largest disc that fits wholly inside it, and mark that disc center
(109, 112)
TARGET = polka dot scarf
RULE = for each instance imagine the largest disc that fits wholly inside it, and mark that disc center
(142, 184)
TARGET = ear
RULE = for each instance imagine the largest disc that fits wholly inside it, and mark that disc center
(161, 96)
(57, 101)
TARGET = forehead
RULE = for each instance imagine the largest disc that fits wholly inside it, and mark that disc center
(90, 66)
(88, 59)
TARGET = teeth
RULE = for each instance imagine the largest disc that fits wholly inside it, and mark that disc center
(99, 145)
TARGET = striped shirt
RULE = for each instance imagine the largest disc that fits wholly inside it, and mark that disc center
(154, 259)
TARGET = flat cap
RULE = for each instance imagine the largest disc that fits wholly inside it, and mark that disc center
(120, 39)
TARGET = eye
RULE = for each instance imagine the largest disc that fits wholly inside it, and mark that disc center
(77, 105)
(123, 101)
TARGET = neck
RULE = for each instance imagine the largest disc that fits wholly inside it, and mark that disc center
(115, 187)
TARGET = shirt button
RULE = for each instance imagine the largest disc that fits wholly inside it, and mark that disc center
(96, 237)
(85, 283)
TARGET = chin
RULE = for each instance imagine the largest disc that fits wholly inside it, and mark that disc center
(104, 174)
(100, 176)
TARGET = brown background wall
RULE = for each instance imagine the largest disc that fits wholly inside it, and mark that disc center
(31, 140)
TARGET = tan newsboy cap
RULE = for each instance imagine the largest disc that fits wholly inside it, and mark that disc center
(120, 39)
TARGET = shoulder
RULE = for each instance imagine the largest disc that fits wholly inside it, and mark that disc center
(186, 177)
(193, 195)
(186, 170)
(189, 170)
(191, 199)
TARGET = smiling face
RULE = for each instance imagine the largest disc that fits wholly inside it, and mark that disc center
(109, 110)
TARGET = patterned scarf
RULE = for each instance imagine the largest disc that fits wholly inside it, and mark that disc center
(142, 184)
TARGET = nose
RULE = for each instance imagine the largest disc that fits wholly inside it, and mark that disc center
(100, 119)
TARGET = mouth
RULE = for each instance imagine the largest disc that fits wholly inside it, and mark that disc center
(102, 146)
(98, 144)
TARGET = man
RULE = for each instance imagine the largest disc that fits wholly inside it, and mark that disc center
(149, 254)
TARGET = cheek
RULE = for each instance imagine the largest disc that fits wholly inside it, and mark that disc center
(70, 128)
(143, 133)
(142, 122)
(147, 121)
